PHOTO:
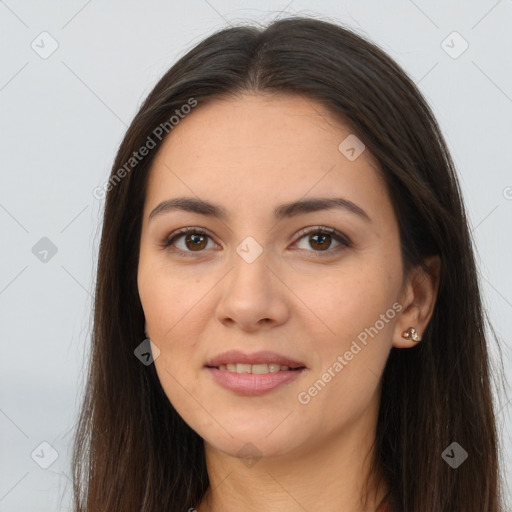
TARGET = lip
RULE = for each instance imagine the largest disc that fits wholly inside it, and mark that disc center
(253, 384)
(263, 356)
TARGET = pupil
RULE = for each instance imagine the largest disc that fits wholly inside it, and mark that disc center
(321, 240)
(323, 244)
(194, 239)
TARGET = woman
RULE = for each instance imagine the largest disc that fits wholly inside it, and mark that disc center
(287, 311)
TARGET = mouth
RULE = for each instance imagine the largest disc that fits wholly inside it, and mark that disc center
(261, 362)
(259, 369)
(254, 374)
(253, 384)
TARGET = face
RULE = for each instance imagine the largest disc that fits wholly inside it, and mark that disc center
(318, 284)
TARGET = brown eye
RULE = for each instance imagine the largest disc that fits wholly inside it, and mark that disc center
(321, 239)
(195, 241)
(188, 240)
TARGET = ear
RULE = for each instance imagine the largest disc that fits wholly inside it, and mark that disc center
(418, 300)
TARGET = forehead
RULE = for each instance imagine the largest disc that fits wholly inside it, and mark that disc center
(259, 148)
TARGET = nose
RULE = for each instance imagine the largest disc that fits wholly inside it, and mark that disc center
(253, 296)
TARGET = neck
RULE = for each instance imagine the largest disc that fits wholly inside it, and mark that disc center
(332, 475)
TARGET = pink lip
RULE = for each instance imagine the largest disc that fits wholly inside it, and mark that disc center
(265, 356)
(250, 384)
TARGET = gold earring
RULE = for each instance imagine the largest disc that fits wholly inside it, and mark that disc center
(411, 333)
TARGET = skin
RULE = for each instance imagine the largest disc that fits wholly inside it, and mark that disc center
(249, 154)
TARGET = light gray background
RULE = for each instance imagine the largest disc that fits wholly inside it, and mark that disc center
(63, 117)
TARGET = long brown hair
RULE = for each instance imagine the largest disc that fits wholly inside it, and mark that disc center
(132, 451)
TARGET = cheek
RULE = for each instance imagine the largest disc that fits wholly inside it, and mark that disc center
(358, 323)
(174, 309)
(346, 300)
(168, 300)
(353, 306)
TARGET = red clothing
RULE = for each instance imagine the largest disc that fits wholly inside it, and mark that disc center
(384, 507)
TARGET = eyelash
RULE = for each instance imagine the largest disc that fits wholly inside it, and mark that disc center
(339, 237)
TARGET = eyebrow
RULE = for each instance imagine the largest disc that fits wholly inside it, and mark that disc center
(287, 210)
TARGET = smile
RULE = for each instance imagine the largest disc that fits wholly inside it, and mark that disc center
(255, 368)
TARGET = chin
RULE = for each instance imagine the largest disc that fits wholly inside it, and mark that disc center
(250, 450)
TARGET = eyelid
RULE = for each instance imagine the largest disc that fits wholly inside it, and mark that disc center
(323, 230)
(340, 237)
(169, 240)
